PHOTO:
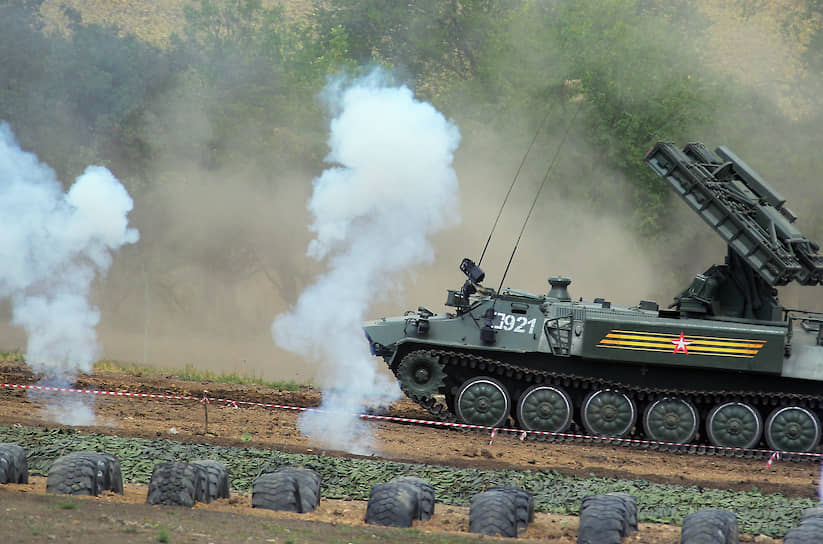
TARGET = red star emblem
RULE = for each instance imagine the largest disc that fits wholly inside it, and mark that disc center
(681, 343)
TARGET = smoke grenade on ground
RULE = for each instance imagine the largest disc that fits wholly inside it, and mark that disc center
(52, 245)
(391, 185)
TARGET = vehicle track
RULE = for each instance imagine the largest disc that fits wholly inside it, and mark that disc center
(524, 377)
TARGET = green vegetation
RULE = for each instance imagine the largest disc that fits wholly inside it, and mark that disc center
(187, 373)
(162, 535)
(636, 65)
(13, 356)
(192, 373)
(352, 478)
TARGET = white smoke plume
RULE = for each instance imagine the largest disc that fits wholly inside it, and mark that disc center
(392, 185)
(52, 245)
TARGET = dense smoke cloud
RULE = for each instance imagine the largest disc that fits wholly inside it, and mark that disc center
(392, 186)
(52, 245)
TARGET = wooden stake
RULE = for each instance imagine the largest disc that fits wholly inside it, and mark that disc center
(205, 402)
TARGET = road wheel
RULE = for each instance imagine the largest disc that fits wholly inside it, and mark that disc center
(734, 425)
(421, 375)
(483, 401)
(393, 504)
(710, 526)
(671, 419)
(792, 428)
(493, 513)
(544, 408)
(607, 412)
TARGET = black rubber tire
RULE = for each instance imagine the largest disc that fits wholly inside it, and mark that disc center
(109, 465)
(426, 494)
(14, 468)
(77, 473)
(523, 503)
(808, 532)
(218, 479)
(276, 491)
(175, 483)
(606, 519)
(710, 526)
(493, 513)
(308, 486)
(814, 512)
(393, 504)
(630, 505)
(107, 474)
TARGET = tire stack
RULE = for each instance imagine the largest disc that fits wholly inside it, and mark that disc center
(14, 468)
(503, 511)
(400, 502)
(607, 519)
(182, 484)
(710, 526)
(288, 489)
(810, 529)
(85, 473)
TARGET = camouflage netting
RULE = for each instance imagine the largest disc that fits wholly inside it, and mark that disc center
(345, 478)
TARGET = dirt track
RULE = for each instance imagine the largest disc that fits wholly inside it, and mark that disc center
(276, 429)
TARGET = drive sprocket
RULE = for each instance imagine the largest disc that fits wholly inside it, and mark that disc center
(421, 374)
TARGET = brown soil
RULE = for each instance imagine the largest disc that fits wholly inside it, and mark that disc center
(276, 429)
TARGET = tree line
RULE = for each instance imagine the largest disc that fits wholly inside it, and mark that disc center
(630, 70)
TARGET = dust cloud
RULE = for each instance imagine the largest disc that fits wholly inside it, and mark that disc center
(222, 249)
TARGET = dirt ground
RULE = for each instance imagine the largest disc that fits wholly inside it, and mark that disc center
(276, 428)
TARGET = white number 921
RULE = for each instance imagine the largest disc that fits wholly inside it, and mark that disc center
(514, 323)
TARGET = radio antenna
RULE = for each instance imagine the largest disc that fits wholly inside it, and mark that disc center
(509, 192)
(537, 195)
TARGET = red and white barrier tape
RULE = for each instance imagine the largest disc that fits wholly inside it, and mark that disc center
(774, 455)
(772, 458)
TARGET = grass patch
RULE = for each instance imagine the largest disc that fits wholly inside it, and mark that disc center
(188, 373)
(191, 373)
(14, 356)
(66, 505)
(162, 535)
(194, 374)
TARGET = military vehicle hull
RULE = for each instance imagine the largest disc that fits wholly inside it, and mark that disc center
(726, 366)
(605, 372)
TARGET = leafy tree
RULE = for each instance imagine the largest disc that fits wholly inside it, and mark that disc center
(642, 82)
(424, 40)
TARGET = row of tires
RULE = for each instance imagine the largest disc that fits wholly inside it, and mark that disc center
(500, 511)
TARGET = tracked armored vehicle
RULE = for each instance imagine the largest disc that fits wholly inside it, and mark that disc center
(724, 366)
